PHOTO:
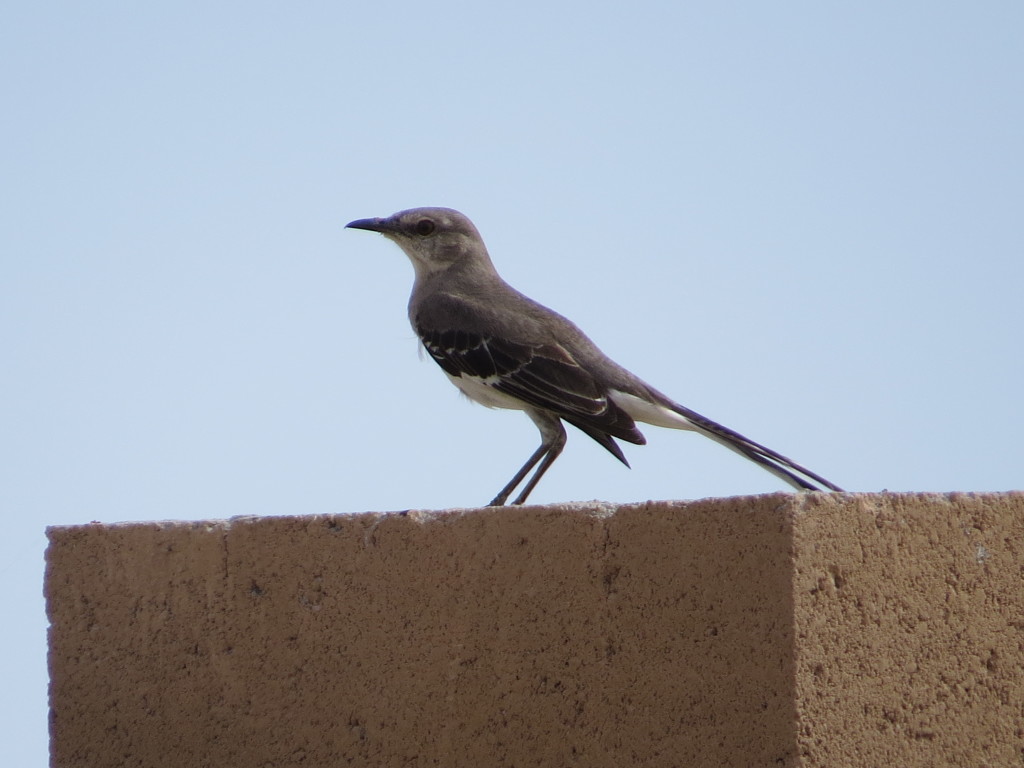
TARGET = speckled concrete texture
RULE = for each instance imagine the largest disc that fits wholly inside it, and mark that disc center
(780, 630)
(910, 629)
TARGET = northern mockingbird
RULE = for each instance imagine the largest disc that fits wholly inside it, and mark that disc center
(505, 350)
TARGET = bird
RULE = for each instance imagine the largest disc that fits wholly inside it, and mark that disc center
(502, 349)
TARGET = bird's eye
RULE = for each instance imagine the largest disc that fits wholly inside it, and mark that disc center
(424, 227)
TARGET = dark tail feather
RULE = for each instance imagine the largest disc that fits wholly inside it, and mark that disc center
(780, 466)
(606, 440)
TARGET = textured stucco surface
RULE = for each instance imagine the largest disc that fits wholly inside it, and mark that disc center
(778, 630)
(910, 630)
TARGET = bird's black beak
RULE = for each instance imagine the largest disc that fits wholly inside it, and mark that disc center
(373, 225)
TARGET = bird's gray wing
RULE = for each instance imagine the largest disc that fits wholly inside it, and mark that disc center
(543, 376)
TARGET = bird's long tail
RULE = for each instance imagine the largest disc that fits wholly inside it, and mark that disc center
(646, 404)
(782, 467)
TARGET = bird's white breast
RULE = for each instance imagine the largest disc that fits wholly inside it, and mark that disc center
(482, 391)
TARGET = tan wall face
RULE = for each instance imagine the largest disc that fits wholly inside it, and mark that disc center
(775, 630)
(910, 630)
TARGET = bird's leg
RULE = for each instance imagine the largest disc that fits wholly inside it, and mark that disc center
(553, 453)
(552, 435)
(503, 494)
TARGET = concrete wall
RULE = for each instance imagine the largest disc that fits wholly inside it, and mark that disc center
(780, 630)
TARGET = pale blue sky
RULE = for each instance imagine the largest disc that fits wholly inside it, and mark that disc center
(804, 220)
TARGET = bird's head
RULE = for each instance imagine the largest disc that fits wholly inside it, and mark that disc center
(433, 238)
